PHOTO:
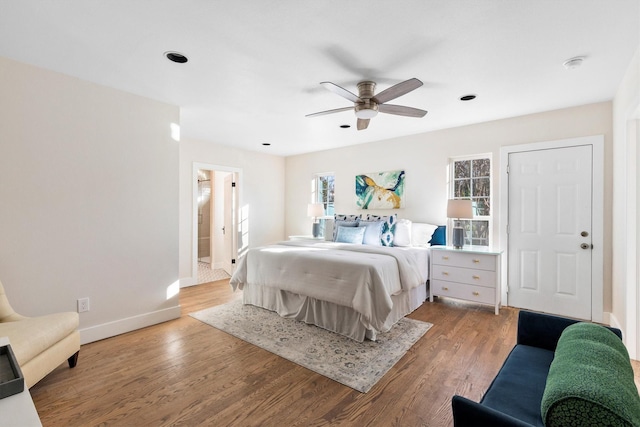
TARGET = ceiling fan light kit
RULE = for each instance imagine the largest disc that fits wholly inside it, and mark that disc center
(366, 104)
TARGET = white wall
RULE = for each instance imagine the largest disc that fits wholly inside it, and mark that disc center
(626, 177)
(261, 192)
(88, 200)
(425, 158)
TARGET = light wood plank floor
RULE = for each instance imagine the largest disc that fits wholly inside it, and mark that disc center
(184, 372)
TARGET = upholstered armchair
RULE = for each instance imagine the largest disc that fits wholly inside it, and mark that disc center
(41, 343)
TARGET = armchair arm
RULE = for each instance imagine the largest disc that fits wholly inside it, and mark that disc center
(467, 413)
(544, 330)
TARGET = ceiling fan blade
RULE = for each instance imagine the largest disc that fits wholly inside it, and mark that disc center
(398, 90)
(341, 91)
(400, 110)
(323, 113)
(363, 124)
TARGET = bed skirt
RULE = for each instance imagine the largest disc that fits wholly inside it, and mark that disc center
(337, 318)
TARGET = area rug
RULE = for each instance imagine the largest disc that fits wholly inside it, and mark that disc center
(356, 365)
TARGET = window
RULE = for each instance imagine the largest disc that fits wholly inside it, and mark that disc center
(325, 189)
(471, 179)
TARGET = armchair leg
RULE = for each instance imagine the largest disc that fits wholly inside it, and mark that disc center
(73, 360)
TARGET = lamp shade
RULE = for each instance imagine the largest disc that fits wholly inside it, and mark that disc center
(458, 208)
(315, 210)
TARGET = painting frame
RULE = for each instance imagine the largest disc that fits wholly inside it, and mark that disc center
(380, 190)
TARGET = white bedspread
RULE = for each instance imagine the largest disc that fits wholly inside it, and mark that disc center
(358, 276)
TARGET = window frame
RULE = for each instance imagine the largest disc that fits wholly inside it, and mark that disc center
(451, 184)
(316, 197)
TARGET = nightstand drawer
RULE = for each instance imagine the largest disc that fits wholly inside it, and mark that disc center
(467, 292)
(464, 275)
(464, 259)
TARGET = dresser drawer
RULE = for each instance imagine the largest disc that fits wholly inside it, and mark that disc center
(467, 292)
(464, 275)
(464, 259)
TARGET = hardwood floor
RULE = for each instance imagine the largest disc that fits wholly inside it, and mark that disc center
(184, 372)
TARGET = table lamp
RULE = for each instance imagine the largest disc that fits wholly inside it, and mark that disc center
(315, 210)
(459, 209)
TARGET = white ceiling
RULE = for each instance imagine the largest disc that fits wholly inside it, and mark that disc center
(255, 65)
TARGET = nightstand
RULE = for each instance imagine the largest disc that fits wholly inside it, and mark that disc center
(471, 273)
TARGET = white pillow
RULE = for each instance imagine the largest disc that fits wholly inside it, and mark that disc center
(402, 235)
(421, 233)
(328, 229)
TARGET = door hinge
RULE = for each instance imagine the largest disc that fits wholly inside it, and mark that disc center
(507, 169)
(233, 184)
(233, 261)
(508, 229)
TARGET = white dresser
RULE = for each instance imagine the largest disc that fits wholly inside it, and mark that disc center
(472, 274)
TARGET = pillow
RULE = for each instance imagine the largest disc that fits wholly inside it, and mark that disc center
(439, 237)
(373, 230)
(341, 223)
(388, 228)
(421, 233)
(347, 217)
(590, 380)
(402, 235)
(350, 234)
(328, 229)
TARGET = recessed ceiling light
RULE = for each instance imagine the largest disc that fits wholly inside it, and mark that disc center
(572, 63)
(345, 126)
(176, 57)
(467, 98)
(266, 144)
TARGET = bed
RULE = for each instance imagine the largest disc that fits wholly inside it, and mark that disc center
(354, 290)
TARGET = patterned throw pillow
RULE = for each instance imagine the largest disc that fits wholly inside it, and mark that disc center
(340, 217)
(388, 228)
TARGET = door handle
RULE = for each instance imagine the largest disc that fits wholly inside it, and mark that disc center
(585, 246)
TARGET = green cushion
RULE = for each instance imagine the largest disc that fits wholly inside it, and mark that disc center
(590, 381)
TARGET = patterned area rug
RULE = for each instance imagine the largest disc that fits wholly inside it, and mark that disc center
(354, 364)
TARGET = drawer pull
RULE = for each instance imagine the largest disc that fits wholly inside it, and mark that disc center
(444, 288)
(445, 258)
(476, 293)
(476, 261)
(476, 277)
(445, 273)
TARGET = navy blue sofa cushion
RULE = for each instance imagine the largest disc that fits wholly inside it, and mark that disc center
(516, 391)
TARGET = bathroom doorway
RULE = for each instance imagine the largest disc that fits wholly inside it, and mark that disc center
(214, 204)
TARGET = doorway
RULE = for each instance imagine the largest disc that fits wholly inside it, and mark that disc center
(215, 206)
(552, 227)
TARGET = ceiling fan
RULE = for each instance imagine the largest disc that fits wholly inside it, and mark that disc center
(367, 105)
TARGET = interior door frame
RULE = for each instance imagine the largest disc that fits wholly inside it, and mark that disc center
(597, 213)
(194, 212)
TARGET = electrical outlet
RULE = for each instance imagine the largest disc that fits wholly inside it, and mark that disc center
(83, 305)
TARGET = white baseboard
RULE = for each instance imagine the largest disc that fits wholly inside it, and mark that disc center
(188, 281)
(117, 327)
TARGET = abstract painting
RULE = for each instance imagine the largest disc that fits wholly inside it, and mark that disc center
(380, 190)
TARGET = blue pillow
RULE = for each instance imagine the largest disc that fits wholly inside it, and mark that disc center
(373, 232)
(439, 237)
(350, 234)
(342, 223)
(388, 228)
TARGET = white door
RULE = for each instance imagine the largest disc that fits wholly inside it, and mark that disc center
(550, 226)
(229, 245)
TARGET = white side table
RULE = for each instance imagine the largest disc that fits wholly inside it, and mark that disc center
(18, 410)
(471, 273)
